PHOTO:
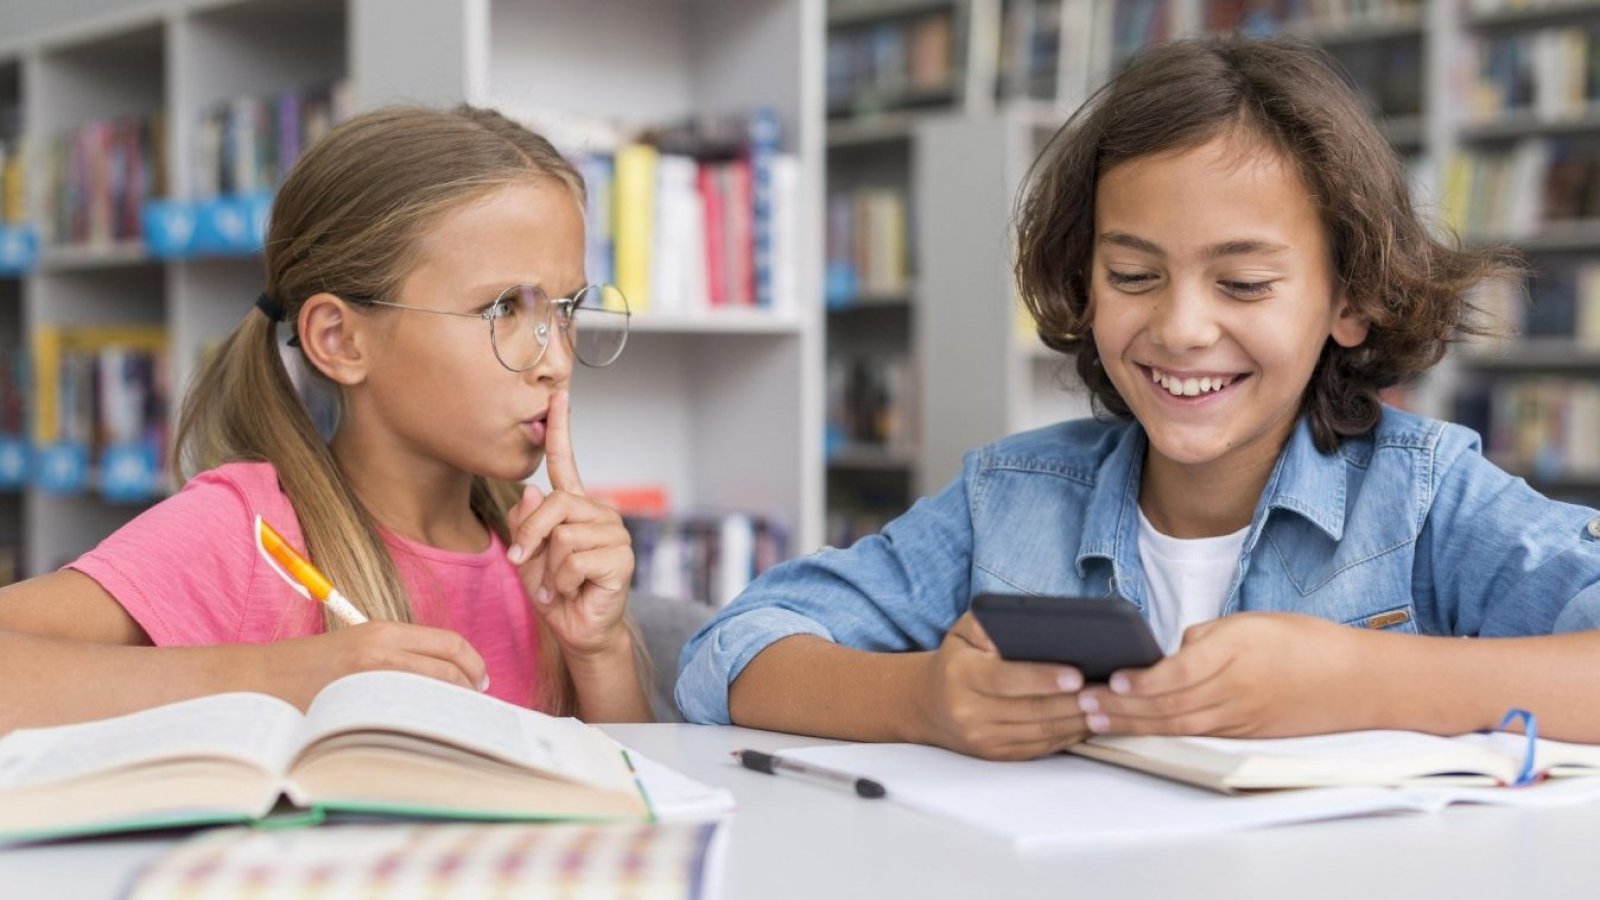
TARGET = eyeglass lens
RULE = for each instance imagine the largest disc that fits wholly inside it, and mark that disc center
(596, 329)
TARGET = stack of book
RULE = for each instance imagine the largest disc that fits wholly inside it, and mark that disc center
(1517, 193)
(248, 144)
(100, 411)
(1553, 73)
(868, 249)
(697, 216)
(902, 63)
(1030, 49)
(99, 178)
(1263, 17)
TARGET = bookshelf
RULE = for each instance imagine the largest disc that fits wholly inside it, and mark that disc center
(1417, 63)
(717, 410)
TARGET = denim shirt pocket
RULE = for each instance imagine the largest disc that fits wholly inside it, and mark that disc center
(1400, 620)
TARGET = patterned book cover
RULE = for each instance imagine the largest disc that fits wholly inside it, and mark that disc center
(641, 862)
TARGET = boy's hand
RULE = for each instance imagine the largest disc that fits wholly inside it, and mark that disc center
(297, 669)
(1244, 675)
(976, 703)
(574, 555)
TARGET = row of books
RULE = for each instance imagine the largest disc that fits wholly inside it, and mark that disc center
(100, 411)
(1545, 428)
(1030, 49)
(1553, 73)
(868, 244)
(1513, 194)
(871, 402)
(708, 558)
(248, 144)
(1265, 17)
(1562, 300)
(704, 557)
(99, 178)
(900, 63)
(697, 216)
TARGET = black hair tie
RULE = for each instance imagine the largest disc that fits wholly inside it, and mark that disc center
(270, 307)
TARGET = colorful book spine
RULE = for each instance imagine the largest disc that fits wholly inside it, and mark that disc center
(635, 221)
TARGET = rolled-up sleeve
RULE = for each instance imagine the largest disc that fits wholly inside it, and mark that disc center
(1503, 560)
(895, 591)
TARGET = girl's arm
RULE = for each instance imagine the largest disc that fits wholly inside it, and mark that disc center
(69, 652)
(609, 685)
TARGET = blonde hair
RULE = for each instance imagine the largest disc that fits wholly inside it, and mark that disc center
(347, 222)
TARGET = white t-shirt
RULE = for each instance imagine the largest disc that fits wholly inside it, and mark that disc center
(1188, 578)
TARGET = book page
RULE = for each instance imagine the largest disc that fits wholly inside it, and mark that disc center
(1554, 757)
(413, 704)
(252, 727)
(1351, 745)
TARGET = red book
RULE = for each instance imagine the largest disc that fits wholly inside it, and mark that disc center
(711, 199)
(740, 225)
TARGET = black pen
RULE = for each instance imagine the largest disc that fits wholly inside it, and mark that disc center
(777, 765)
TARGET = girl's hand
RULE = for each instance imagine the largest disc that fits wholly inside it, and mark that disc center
(976, 703)
(1244, 675)
(574, 555)
(297, 669)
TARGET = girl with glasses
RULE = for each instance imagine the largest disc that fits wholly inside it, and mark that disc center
(427, 270)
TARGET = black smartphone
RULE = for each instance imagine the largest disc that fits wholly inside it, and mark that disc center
(1097, 635)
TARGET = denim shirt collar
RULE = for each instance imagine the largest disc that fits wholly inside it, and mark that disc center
(1304, 481)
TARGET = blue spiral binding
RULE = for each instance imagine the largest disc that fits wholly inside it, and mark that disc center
(1530, 723)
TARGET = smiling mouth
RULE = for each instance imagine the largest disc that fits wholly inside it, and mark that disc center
(1192, 386)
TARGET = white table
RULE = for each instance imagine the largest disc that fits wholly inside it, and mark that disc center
(795, 839)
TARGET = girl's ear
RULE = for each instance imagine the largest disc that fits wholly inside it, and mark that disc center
(331, 335)
(1349, 325)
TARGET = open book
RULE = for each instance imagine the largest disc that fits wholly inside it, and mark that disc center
(1358, 758)
(372, 743)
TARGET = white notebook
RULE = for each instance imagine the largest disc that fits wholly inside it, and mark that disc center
(1068, 800)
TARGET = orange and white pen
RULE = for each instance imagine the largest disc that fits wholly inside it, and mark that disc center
(302, 576)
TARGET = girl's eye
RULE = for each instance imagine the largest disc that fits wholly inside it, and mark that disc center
(501, 309)
(1129, 280)
(1247, 289)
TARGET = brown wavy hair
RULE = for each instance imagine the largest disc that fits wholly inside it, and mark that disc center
(1410, 287)
(348, 221)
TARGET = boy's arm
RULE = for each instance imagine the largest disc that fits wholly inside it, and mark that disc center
(891, 592)
(807, 685)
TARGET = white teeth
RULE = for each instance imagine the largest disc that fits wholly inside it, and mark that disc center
(1190, 387)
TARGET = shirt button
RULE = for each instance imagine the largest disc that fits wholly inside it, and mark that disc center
(1593, 527)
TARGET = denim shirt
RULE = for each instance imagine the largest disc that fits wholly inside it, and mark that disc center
(1407, 528)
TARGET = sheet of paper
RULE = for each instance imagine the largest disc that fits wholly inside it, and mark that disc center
(675, 797)
(252, 727)
(1066, 800)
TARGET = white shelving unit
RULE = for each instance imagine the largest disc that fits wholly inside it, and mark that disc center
(724, 412)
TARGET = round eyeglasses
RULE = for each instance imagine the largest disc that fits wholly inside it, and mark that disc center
(594, 320)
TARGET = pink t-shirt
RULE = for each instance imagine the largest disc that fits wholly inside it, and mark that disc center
(188, 572)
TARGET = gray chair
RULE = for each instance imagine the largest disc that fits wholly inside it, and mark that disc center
(666, 626)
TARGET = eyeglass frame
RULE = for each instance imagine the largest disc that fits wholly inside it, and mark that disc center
(561, 308)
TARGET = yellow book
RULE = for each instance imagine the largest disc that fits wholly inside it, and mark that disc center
(634, 221)
(50, 347)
